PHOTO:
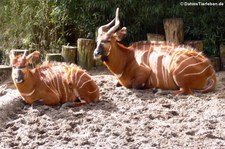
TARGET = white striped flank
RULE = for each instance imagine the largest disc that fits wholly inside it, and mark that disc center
(56, 80)
(65, 86)
(191, 65)
(170, 64)
(191, 74)
(52, 89)
(186, 60)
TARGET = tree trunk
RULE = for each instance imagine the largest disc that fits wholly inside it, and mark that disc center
(198, 45)
(85, 49)
(222, 56)
(174, 30)
(69, 54)
(50, 57)
(155, 37)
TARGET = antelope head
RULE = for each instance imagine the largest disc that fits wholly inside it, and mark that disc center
(107, 36)
(20, 65)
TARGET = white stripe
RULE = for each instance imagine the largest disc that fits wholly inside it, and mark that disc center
(57, 81)
(198, 72)
(93, 91)
(80, 79)
(28, 94)
(63, 83)
(157, 61)
(192, 65)
(75, 79)
(49, 77)
(186, 60)
(72, 75)
(163, 72)
(76, 92)
(57, 95)
(210, 85)
(85, 83)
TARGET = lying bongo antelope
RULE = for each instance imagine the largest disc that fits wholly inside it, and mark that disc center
(52, 83)
(146, 65)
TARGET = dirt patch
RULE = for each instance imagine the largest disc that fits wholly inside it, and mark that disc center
(123, 118)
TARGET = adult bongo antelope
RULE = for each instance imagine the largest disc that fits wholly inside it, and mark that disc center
(52, 83)
(160, 65)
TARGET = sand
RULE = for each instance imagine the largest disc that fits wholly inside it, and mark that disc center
(123, 118)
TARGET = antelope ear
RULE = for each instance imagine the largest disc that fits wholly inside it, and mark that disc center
(121, 34)
(33, 57)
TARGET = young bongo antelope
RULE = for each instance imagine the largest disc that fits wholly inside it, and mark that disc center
(54, 83)
(162, 65)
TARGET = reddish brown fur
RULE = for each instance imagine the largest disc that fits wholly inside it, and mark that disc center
(54, 83)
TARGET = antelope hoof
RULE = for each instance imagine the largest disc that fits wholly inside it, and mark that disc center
(118, 84)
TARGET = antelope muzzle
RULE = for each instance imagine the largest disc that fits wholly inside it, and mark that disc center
(18, 75)
(99, 52)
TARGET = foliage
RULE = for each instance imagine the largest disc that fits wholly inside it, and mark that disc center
(47, 24)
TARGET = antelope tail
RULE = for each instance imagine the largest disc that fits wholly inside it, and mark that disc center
(211, 84)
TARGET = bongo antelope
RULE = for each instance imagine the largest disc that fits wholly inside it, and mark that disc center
(157, 65)
(52, 83)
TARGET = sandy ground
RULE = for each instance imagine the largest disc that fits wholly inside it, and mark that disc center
(123, 118)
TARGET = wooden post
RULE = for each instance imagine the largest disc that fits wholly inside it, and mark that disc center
(85, 49)
(174, 30)
(155, 37)
(196, 44)
(50, 57)
(69, 54)
(215, 61)
(222, 56)
(5, 72)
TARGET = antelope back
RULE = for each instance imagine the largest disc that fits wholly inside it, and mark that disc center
(172, 65)
(69, 82)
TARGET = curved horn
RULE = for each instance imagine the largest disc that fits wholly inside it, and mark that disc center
(24, 54)
(104, 27)
(117, 23)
